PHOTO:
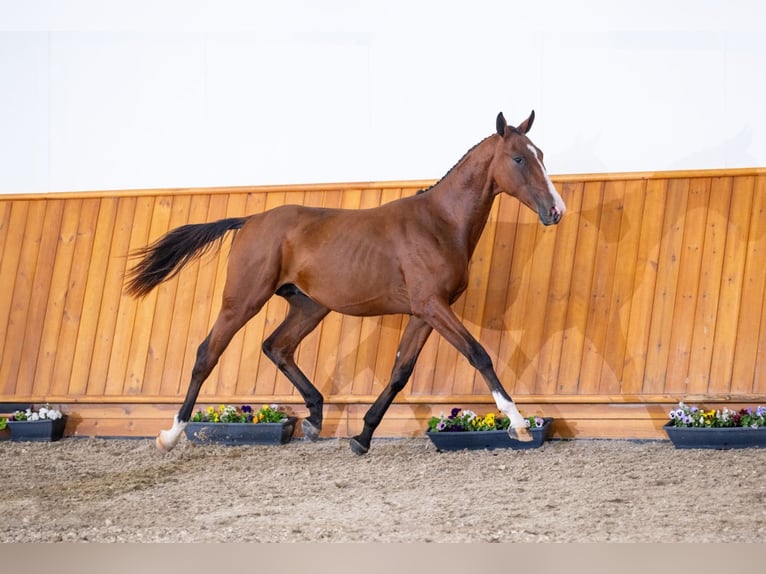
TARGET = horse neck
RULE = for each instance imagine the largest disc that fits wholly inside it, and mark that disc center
(465, 195)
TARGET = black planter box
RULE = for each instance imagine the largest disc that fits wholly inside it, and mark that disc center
(46, 430)
(477, 440)
(234, 434)
(717, 438)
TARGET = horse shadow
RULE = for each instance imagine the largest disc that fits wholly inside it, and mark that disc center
(612, 223)
(516, 312)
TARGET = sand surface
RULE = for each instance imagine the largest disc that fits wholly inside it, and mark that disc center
(116, 490)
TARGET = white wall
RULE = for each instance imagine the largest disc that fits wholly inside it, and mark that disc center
(171, 93)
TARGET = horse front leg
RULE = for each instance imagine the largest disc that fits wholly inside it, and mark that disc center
(441, 317)
(415, 335)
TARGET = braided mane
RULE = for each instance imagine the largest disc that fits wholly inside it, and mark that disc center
(426, 190)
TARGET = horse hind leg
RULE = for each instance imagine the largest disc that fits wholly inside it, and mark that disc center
(231, 318)
(302, 317)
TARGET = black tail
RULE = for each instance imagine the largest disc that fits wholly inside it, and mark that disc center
(165, 257)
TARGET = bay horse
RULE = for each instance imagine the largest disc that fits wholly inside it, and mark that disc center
(409, 256)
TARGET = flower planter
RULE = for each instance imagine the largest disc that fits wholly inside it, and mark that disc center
(233, 434)
(46, 430)
(714, 437)
(477, 440)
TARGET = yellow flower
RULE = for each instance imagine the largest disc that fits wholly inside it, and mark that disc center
(210, 410)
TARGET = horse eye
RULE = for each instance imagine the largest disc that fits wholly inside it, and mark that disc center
(519, 160)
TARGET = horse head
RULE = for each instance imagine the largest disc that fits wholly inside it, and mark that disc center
(518, 170)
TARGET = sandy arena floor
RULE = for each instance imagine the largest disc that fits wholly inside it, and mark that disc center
(110, 490)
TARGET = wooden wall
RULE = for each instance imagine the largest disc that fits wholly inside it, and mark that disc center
(650, 290)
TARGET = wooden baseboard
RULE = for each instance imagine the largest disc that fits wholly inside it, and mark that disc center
(571, 421)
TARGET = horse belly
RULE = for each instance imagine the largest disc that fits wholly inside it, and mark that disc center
(373, 288)
(347, 262)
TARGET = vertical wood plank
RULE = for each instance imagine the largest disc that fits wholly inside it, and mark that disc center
(592, 367)
(116, 243)
(687, 289)
(19, 316)
(41, 289)
(749, 332)
(665, 289)
(89, 344)
(644, 286)
(562, 270)
(5, 219)
(759, 366)
(17, 216)
(589, 222)
(511, 359)
(73, 311)
(731, 285)
(709, 285)
(131, 330)
(61, 264)
(535, 309)
(615, 342)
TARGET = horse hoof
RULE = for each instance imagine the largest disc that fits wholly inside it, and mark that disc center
(160, 444)
(310, 431)
(358, 447)
(521, 434)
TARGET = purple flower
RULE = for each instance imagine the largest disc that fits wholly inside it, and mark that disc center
(247, 409)
(454, 413)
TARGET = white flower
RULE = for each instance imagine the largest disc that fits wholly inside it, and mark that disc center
(43, 413)
(53, 414)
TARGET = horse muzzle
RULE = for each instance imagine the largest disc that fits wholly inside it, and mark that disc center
(552, 216)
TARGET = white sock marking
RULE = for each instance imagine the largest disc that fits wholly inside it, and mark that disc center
(170, 437)
(508, 408)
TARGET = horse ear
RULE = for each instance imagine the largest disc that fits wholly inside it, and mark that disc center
(526, 125)
(501, 124)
